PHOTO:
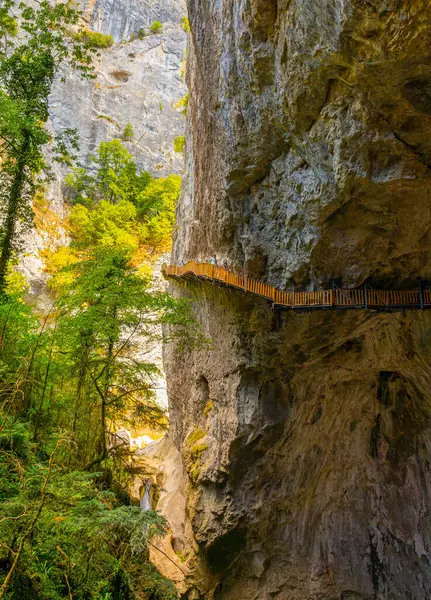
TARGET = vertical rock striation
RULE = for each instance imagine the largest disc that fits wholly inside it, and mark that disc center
(306, 436)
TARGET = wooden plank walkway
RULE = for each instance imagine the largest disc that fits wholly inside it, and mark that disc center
(337, 298)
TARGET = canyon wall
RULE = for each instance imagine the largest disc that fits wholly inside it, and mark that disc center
(138, 81)
(306, 436)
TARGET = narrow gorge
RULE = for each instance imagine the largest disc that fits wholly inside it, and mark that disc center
(294, 462)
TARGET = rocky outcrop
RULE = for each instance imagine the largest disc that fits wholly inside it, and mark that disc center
(306, 436)
(313, 479)
(123, 19)
(138, 81)
(309, 136)
(174, 555)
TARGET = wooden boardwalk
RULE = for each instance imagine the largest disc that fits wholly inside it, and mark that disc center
(365, 297)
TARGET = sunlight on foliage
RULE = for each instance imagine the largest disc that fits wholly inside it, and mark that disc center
(95, 39)
(69, 528)
(183, 104)
(185, 24)
(156, 27)
(179, 143)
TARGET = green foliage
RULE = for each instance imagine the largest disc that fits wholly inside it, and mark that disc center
(8, 24)
(68, 528)
(156, 27)
(128, 132)
(156, 207)
(192, 452)
(179, 143)
(197, 450)
(72, 537)
(29, 63)
(185, 24)
(114, 177)
(107, 225)
(146, 211)
(65, 385)
(183, 104)
(94, 39)
(194, 437)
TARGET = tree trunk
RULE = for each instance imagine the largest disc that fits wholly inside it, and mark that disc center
(15, 198)
(44, 387)
(107, 384)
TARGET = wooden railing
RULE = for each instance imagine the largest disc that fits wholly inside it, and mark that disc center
(339, 298)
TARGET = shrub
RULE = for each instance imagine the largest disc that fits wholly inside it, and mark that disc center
(183, 104)
(95, 39)
(179, 143)
(156, 27)
(185, 24)
(128, 133)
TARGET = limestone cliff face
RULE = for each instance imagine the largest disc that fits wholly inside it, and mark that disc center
(306, 437)
(309, 132)
(138, 81)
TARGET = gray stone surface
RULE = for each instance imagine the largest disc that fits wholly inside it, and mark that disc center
(309, 154)
(314, 482)
(123, 18)
(309, 136)
(137, 81)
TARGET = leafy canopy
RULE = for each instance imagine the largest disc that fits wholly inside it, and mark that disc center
(29, 62)
(115, 204)
(72, 537)
(113, 176)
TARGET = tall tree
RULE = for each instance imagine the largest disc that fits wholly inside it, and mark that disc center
(31, 56)
(114, 177)
(109, 318)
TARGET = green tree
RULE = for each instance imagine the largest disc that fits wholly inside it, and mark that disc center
(107, 225)
(105, 312)
(146, 206)
(114, 177)
(156, 208)
(29, 63)
(128, 132)
(156, 27)
(62, 535)
(65, 384)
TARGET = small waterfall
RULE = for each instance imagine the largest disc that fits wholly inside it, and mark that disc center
(146, 503)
